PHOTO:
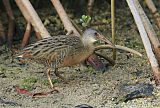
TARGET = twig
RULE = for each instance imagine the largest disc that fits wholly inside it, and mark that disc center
(118, 47)
(64, 17)
(38, 35)
(90, 7)
(11, 25)
(31, 16)
(99, 23)
(148, 26)
(154, 11)
(149, 29)
(2, 33)
(113, 26)
(26, 35)
(76, 26)
(146, 42)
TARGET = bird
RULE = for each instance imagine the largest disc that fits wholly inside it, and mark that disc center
(63, 50)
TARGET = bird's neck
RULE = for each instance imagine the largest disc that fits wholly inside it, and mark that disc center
(87, 42)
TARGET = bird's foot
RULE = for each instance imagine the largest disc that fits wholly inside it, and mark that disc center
(61, 77)
(55, 89)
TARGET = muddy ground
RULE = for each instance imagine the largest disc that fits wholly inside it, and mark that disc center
(85, 86)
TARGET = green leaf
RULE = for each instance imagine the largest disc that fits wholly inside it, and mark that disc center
(85, 20)
(46, 22)
(81, 20)
(83, 17)
(88, 20)
(84, 24)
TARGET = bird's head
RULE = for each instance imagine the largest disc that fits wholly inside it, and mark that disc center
(90, 36)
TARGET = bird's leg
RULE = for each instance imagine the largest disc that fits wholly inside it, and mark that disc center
(58, 75)
(50, 81)
(49, 78)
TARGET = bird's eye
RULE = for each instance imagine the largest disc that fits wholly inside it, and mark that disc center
(95, 33)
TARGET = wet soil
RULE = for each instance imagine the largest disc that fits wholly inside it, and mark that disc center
(85, 86)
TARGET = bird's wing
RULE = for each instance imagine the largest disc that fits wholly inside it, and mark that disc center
(52, 48)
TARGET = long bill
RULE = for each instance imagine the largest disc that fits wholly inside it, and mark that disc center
(102, 38)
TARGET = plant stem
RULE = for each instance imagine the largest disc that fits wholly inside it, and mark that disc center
(113, 26)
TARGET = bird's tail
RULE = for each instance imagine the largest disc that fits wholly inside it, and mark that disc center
(21, 57)
(25, 53)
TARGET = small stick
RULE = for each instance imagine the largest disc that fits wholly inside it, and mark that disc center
(99, 23)
(150, 31)
(90, 7)
(64, 17)
(76, 26)
(11, 25)
(154, 11)
(31, 16)
(2, 33)
(118, 47)
(113, 26)
(26, 35)
(146, 42)
(38, 35)
(148, 26)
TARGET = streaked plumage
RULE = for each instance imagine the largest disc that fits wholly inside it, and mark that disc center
(61, 51)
